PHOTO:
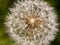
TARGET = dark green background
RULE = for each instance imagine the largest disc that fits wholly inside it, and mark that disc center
(5, 4)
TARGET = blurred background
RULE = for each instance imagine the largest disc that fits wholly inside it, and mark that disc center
(5, 4)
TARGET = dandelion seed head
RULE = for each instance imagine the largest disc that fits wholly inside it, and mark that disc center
(32, 22)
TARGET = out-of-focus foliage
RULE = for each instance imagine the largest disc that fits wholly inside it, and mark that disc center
(4, 38)
(5, 4)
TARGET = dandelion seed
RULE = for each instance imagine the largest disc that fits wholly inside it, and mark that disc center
(32, 22)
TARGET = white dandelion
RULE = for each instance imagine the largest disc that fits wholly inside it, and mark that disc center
(32, 22)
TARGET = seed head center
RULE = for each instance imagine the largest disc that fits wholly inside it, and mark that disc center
(32, 21)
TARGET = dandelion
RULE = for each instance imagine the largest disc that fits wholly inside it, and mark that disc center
(32, 22)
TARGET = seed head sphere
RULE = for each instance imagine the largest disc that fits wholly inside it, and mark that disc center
(32, 22)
